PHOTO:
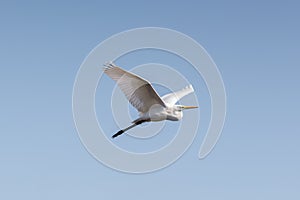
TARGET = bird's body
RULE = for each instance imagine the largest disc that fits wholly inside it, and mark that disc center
(144, 98)
(160, 113)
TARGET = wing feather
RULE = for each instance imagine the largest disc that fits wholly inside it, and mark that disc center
(137, 90)
(172, 98)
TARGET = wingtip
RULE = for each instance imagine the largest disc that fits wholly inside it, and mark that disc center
(108, 65)
(190, 86)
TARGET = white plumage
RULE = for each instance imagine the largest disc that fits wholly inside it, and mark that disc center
(145, 99)
(172, 98)
(137, 90)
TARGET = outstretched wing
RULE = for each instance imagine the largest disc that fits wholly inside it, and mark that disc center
(172, 98)
(137, 90)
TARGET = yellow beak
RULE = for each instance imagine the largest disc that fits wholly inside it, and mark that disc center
(189, 107)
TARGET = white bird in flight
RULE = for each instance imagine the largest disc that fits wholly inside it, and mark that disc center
(145, 99)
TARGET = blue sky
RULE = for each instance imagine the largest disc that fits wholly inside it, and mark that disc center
(255, 46)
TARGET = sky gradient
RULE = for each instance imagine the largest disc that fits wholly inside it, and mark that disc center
(255, 46)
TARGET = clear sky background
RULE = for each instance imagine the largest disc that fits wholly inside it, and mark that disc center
(256, 46)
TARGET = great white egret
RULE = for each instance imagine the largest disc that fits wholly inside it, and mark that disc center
(145, 99)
